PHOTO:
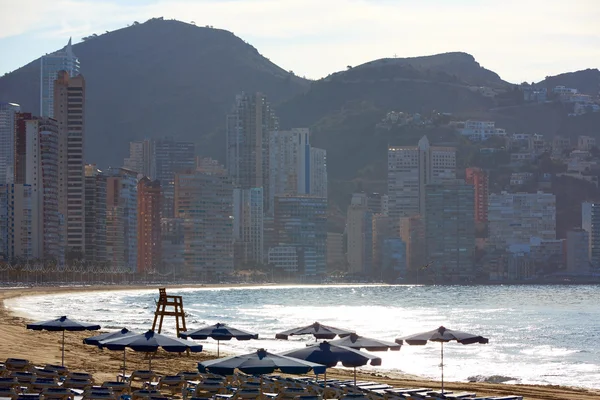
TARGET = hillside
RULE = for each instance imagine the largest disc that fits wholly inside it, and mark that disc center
(586, 81)
(158, 78)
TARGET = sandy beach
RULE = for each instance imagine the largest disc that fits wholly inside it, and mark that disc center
(44, 347)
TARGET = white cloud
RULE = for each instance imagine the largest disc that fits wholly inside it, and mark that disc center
(315, 37)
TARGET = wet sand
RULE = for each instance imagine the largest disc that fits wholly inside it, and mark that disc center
(44, 348)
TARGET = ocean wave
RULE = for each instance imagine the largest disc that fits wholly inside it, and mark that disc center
(492, 379)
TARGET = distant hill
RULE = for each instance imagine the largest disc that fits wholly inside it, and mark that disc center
(586, 81)
(158, 78)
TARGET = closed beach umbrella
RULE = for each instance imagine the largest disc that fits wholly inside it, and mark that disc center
(63, 324)
(218, 332)
(260, 362)
(442, 335)
(318, 330)
(357, 342)
(95, 340)
(150, 342)
(330, 355)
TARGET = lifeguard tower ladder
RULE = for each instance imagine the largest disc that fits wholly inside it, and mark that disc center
(165, 301)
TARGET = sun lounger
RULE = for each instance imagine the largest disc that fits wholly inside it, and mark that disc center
(171, 383)
(73, 383)
(3, 369)
(190, 375)
(17, 364)
(210, 388)
(60, 369)
(29, 396)
(9, 382)
(44, 373)
(99, 395)
(40, 384)
(59, 393)
(9, 392)
(145, 394)
(119, 388)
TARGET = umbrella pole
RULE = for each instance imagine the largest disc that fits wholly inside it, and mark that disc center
(354, 376)
(124, 361)
(218, 347)
(63, 348)
(442, 367)
(261, 387)
(149, 361)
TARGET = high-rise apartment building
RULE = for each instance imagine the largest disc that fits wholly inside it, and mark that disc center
(479, 179)
(248, 226)
(248, 128)
(289, 163)
(69, 111)
(149, 241)
(301, 222)
(412, 233)
(336, 256)
(590, 222)
(172, 157)
(95, 215)
(382, 230)
(515, 218)
(141, 158)
(121, 218)
(450, 230)
(36, 164)
(204, 202)
(578, 260)
(51, 64)
(15, 221)
(8, 113)
(410, 169)
(318, 172)
(359, 233)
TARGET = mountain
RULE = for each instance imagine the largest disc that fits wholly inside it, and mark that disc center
(156, 79)
(585, 81)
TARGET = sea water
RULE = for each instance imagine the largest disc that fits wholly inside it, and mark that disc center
(538, 334)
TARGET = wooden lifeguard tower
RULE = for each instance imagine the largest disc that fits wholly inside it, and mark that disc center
(162, 310)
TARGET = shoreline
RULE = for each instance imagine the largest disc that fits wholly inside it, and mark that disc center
(44, 347)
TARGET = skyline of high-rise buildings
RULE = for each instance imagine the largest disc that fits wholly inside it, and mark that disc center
(8, 113)
(50, 65)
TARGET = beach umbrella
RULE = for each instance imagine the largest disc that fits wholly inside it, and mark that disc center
(150, 342)
(357, 342)
(260, 362)
(218, 332)
(95, 340)
(63, 324)
(318, 330)
(330, 355)
(442, 335)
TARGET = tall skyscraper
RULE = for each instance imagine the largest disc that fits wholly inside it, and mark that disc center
(204, 202)
(479, 179)
(121, 218)
(15, 221)
(410, 169)
(36, 164)
(172, 157)
(141, 158)
(318, 171)
(301, 222)
(51, 64)
(289, 163)
(578, 260)
(95, 215)
(248, 226)
(412, 233)
(69, 111)
(148, 225)
(8, 113)
(247, 142)
(359, 232)
(450, 230)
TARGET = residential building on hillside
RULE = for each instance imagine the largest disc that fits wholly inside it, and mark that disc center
(95, 215)
(481, 130)
(141, 158)
(480, 181)
(585, 143)
(359, 233)
(301, 222)
(514, 218)
(50, 65)
(450, 230)
(16, 212)
(171, 157)
(8, 113)
(410, 169)
(149, 240)
(248, 128)
(121, 218)
(36, 164)
(69, 111)
(204, 202)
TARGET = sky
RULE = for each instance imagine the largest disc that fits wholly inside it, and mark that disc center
(521, 40)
